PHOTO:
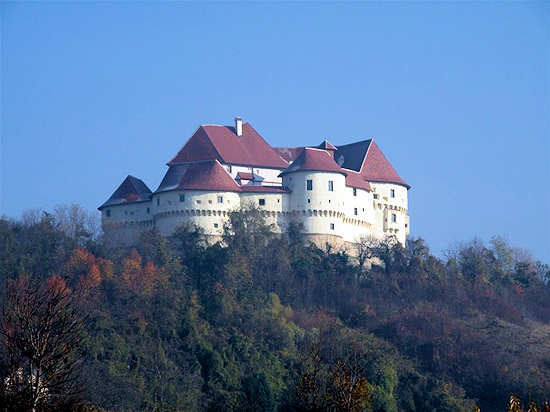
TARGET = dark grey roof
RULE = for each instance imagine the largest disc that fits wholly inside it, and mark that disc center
(131, 190)
(351, 156)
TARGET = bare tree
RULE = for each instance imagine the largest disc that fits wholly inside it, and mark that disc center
(366, 248)
(76, 222)
(40, 333)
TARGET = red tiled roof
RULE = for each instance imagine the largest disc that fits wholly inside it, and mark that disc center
(376, 168)
(222, 143)
(289, 153)
(207, 175)
(315, 160)
(354, 179)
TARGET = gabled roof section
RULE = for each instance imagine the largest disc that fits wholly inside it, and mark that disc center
(351, 156)
(366, 158)
(314, 160)
(206, 175)
(376, 168)
(131, 190)
(211, 142)
(326, 145)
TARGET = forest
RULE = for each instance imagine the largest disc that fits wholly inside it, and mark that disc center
(265, 322)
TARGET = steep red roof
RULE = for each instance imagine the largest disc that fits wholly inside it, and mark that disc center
(207, 175)
(222, 143)
(354, 179)
(376, 168)
(315, 160)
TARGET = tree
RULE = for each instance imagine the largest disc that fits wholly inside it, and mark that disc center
(40, 333)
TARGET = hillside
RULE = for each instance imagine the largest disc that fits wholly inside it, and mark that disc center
(265, 322)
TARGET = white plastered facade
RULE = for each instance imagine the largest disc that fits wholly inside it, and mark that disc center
(341, 215)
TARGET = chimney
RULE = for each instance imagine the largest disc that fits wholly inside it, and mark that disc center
(239, 126)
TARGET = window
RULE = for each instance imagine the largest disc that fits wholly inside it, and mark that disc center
(182, 198)
(261, 202)
(332, 226)
(309, 184)
(108, 213)
(393, 217)
(215, 225)
(355, 211)
(330, 186)
(158, 201)
(220, 199)
(230, 169)
(354, 191)
(199, 202)
(210, 201)
(406, 225)
(375, 196)
(309, 200)
(392, 193)
(148, 210)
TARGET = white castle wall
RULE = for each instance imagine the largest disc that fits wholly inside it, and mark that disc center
(386, 205)
(205, 209)
(123, 223)
(316, 210)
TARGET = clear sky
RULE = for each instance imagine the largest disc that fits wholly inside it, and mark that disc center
(455, 94)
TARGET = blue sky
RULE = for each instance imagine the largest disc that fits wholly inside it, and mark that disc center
(457, 95)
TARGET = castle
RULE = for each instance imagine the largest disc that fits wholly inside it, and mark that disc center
(339, 193)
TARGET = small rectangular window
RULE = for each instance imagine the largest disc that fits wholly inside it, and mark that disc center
(210, 201)
(355, 211)
(309, 184)
(220, 199)
(148, 210)
(199, 202)
(215, 225)
(330, 186)
(108, 213)
(158, 201)
(261, 202)
(393, 217)
(309, 200)
(332, 226)
(182, 198)
(354, 191)
(392, 193)
(375, 196)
